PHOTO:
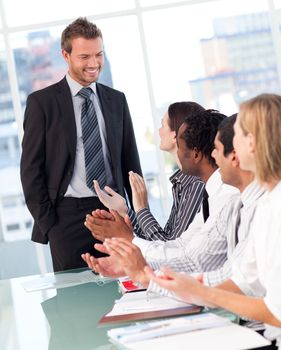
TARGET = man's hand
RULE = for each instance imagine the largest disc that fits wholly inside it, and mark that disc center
(102, 214)
(139, 192)
(129, 258)
(105, 266)
(109, 225)
(111, 199)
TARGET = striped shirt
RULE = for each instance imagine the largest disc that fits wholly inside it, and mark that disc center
(187, 198)
(249, 198)
(219, 195)
(216, 251)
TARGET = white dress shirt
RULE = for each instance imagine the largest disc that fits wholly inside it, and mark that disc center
(161, 252)
(258, 272)
(249, 199)
(78, 187)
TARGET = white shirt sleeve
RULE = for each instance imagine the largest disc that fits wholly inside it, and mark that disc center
(244, 271)
(273, 277)
(160, 250)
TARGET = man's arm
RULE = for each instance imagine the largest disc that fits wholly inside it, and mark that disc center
(33, 175)
(179, 219)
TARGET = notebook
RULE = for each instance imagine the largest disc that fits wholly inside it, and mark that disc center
(137, 306)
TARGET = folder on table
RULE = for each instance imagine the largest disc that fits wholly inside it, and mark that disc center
(137, 306)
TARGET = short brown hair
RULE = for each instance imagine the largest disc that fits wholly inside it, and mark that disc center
(179, 110)
(261, 116)
(80, 28)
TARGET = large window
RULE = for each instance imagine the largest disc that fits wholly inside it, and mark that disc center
(217, 53)
(30, 12)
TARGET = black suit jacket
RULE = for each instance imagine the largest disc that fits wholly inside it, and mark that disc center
(49, 147)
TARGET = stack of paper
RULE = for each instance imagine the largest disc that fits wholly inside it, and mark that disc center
(150, 330)
(137, 306)
(197, 332)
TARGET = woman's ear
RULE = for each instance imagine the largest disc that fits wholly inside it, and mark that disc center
(174, 137)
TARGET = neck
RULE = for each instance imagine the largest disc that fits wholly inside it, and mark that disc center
(207, 172)
(174, 153)
(244, 180)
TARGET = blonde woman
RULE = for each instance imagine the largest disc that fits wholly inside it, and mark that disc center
(254, 291)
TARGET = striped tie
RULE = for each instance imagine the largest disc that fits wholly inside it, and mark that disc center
(94, 162)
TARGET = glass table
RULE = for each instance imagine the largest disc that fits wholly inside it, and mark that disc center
(57, 319)
(54, 319)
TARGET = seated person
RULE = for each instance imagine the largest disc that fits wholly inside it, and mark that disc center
(209, 249)
(187, 190)
(195, 145)
(254, 289)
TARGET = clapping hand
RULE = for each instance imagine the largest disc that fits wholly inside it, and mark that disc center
(111, 199)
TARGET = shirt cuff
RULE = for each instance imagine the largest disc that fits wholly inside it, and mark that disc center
(273, 308)
(244, 287)
(132, 217)
(143, 244)
(140, 213)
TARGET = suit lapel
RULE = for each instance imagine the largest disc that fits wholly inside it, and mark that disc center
(68, 118)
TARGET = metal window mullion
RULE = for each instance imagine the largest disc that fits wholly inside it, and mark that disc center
(159, 154)
(12, 75)
(16, 101)
(275, 31)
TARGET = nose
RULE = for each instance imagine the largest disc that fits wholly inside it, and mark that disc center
(93, 62)
(214, 152)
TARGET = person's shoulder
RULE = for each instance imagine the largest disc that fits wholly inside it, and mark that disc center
(109, 90)
(50, 90)
(190, 180)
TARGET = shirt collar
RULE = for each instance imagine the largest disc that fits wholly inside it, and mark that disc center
(180, 177)
(75, 87)
(214, 183)
(251, 193)
(274, 195)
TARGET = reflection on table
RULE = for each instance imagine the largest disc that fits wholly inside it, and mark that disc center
(59, 319)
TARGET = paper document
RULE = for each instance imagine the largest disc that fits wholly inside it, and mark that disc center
(155, 329)
(139, 302)
(231, 337)
(62, 280)
(138, 306)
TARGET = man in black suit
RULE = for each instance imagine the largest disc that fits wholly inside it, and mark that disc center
(71, 138)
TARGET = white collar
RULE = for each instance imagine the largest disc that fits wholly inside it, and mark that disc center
(75, 87)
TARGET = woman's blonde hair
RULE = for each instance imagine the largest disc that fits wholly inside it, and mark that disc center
(261, 116)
